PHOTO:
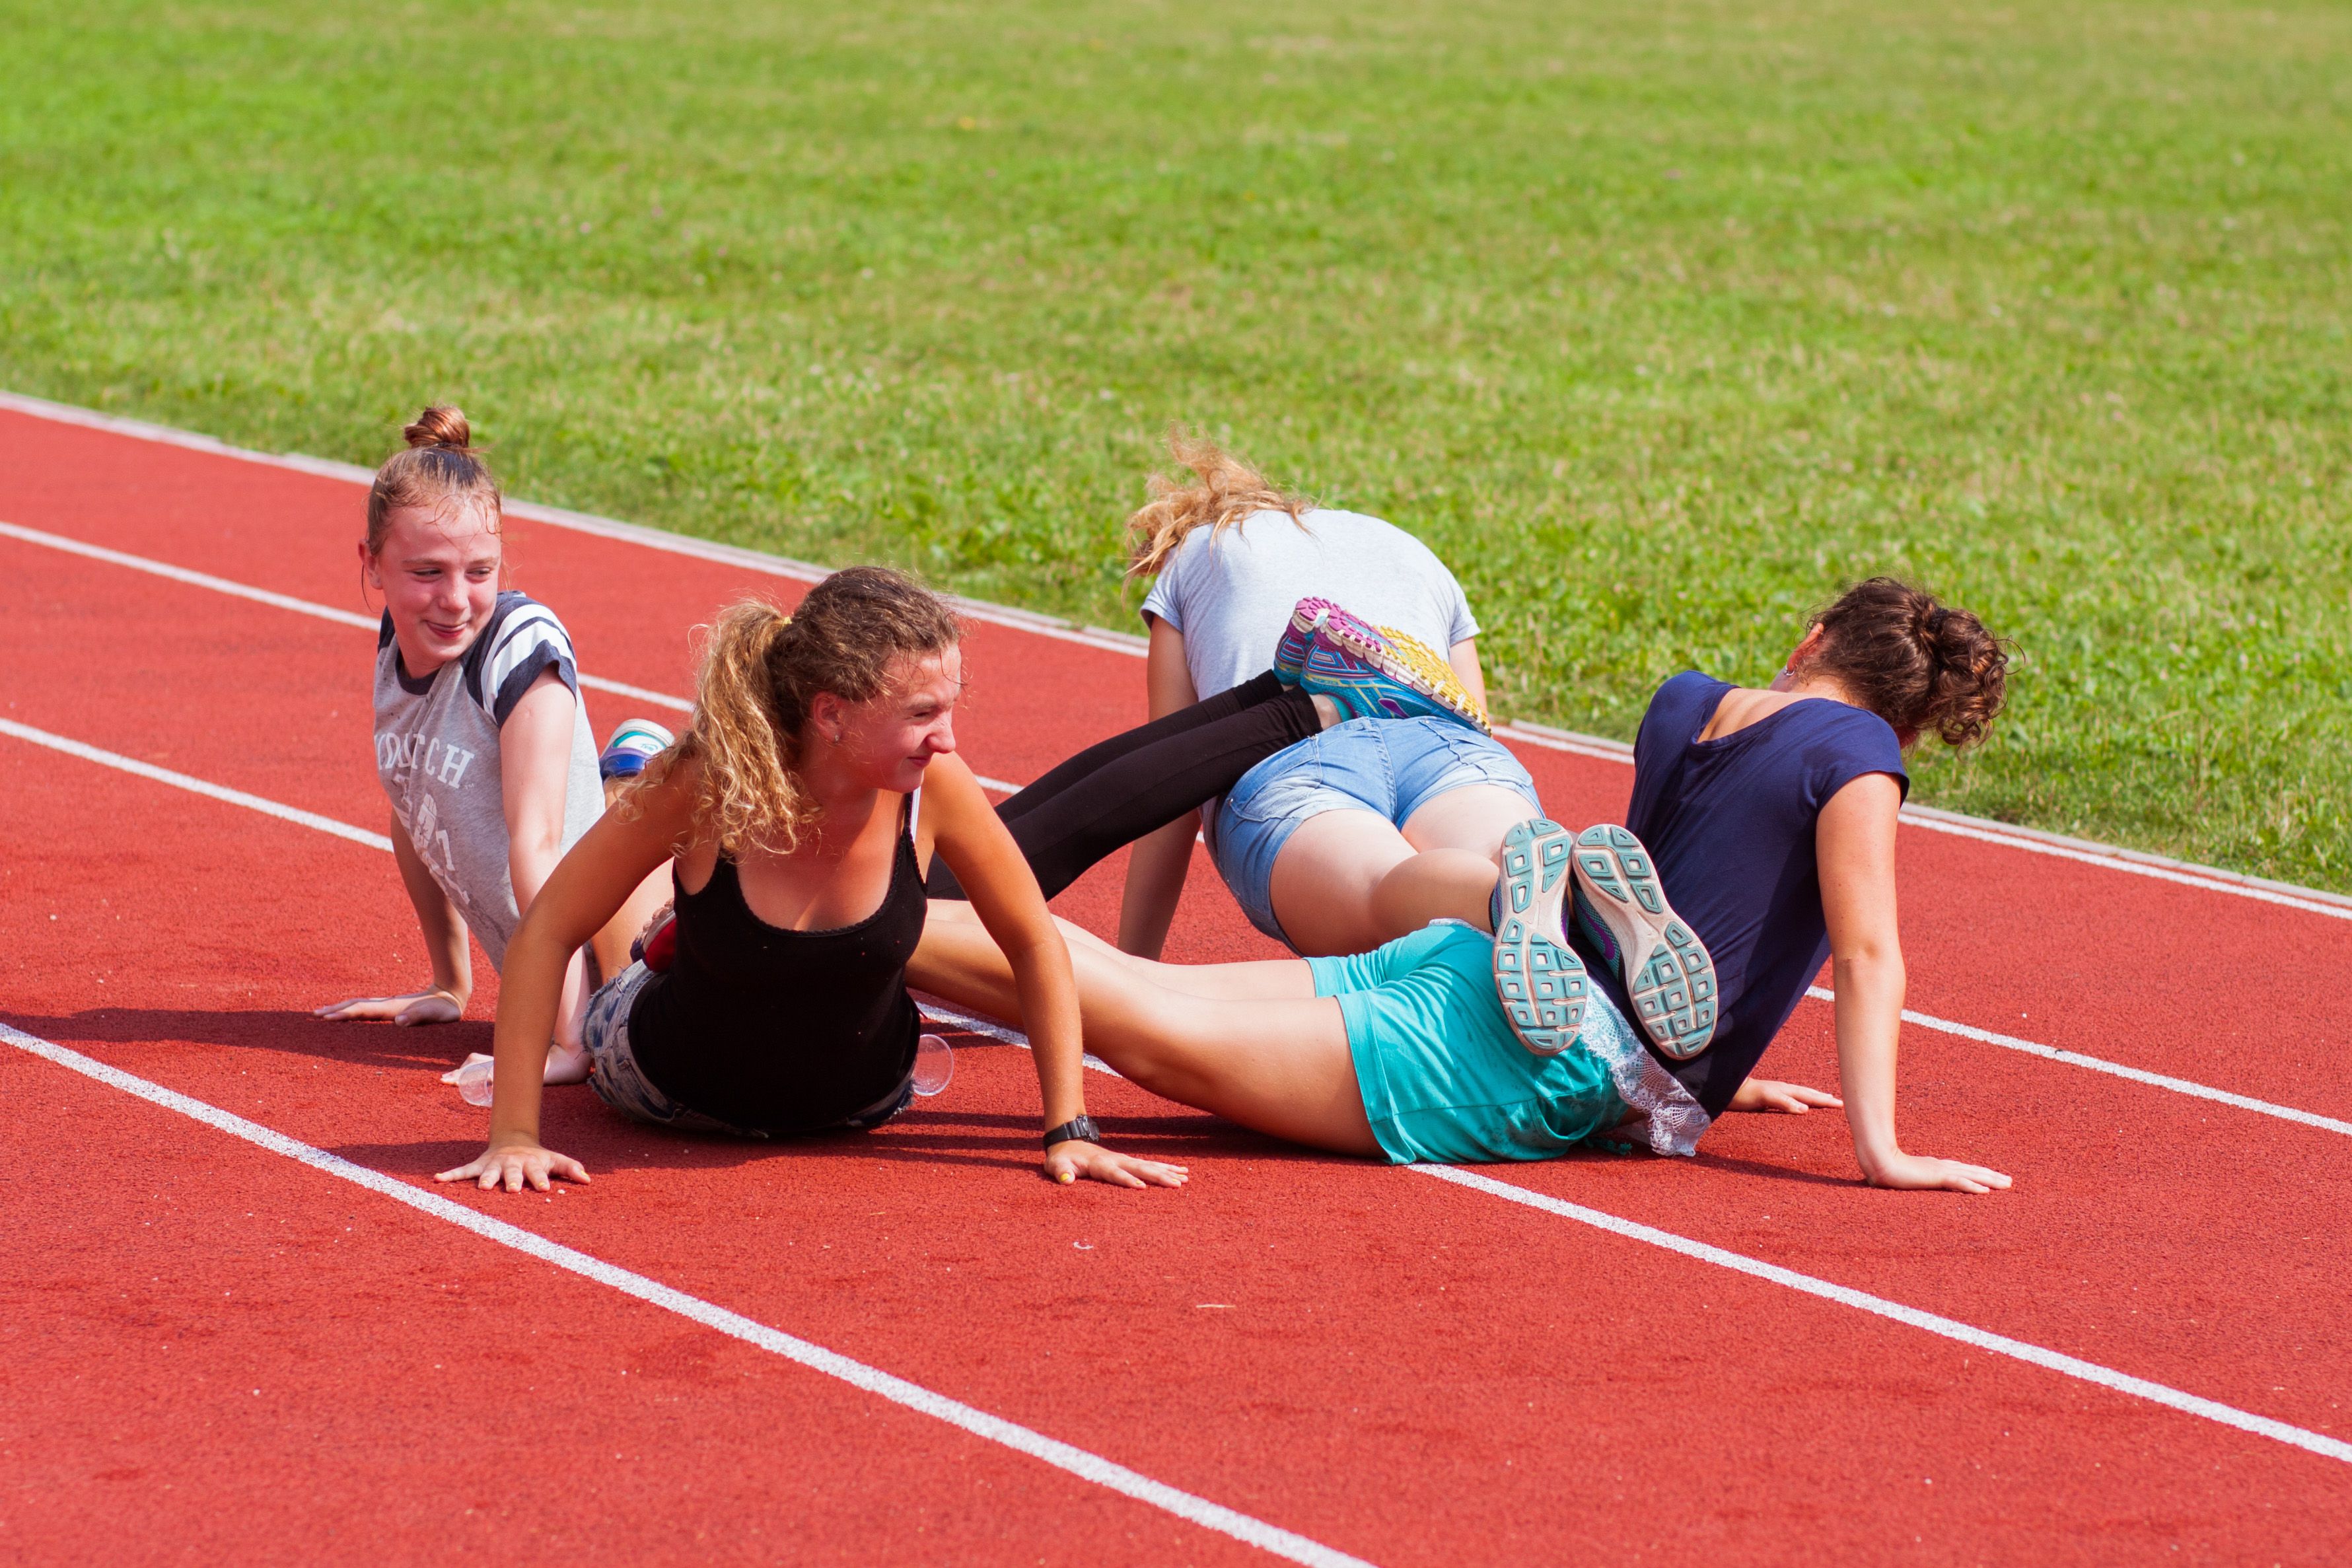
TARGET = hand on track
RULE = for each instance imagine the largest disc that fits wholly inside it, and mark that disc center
(515, 1164)
(1919, 1172)
(1068, 1161)
(1771, 1094)
(427, 1007)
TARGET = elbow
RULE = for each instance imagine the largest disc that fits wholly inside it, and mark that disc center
(1869, 963)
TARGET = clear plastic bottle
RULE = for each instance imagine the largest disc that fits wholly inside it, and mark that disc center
(934, 1065)
(473, 1081)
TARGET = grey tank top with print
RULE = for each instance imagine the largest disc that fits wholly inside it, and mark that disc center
(436, 752)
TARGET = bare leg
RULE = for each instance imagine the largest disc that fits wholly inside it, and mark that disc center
(1279, 979)
(1347, 882)
(1459, 839)
(1325, 877)
(1281, 1066)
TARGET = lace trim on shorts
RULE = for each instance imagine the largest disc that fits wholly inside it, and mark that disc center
(1677, 1121)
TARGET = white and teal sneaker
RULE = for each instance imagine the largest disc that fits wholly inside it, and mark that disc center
(1666, 967)
(1538, 976)
(636, 742)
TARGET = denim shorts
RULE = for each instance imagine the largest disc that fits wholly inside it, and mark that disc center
(1389, 767)
(619, 1082)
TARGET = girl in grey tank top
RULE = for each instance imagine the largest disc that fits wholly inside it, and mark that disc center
(482, 743)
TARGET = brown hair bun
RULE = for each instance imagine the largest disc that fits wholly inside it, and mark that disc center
(440, 426)
(438, 467)
(1918, 664)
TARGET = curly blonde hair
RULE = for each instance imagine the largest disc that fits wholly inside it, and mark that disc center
(1223, 491)
(758, 672)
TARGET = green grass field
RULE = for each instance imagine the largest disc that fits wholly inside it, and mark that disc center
(1659, 320)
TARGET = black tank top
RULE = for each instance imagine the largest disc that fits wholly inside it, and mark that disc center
(782, 1031)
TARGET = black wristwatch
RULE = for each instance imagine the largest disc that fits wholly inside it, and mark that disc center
(1081, 1128)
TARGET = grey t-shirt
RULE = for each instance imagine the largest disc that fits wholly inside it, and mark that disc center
(436, 752)
(1230, 593)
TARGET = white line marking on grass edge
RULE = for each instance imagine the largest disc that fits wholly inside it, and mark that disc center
(2188, 873)
(1929, 1322)
(195, 786)
(2099, 1063)
(1080, 1462)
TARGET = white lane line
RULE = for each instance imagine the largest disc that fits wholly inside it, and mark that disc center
(2296, 898)
(378, 841)
(1844, 1295)
(2183, 873)
(194, 785)
(322, 612)
(2084, 851)
(1079, 1462)
(1930, 1323)
(1949, 1328)
(2118, 1069)
(278, 600)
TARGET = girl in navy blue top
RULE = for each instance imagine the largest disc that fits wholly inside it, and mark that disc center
(1768, 817)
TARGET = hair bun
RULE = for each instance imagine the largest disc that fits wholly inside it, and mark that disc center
(440, 426)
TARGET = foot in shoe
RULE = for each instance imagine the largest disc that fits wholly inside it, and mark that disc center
(1376, 672)
(1538, 979)
(636, 742)
(1666, 967)
(1290, 654)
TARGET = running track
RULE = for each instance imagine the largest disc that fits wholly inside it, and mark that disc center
(245, 1325)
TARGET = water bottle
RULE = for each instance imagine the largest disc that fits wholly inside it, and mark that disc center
(934, 1065)
(473, 1081)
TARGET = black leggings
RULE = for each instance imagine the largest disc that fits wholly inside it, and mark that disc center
(1112, 794)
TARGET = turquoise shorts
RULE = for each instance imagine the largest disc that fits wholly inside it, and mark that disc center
(1444, 1079)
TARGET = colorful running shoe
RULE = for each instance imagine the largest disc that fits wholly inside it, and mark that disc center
(1666, 967)
(1290, 654)
(636, 742)
(1538, 976)
(1377, 672)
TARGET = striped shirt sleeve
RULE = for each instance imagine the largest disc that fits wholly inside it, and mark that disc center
(523, 639)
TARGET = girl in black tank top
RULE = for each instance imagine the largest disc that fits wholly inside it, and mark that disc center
(777, 1030)
(786, 1009)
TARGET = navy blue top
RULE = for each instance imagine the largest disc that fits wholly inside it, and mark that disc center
(1729, 825)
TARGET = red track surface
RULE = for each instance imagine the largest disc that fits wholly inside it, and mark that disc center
(1402, 1370)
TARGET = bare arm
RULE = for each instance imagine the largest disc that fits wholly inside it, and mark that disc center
(534, 771)
(1005, 896)
(443, 930)
(587, 886)
(1157, 865)
(1854, 846)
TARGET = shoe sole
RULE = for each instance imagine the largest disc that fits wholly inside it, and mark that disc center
(1405, 661)
(1298, 642)
(1666, 967)
(1538, 979)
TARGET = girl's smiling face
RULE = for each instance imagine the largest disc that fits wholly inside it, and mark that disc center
(889, 742)
(438, 573)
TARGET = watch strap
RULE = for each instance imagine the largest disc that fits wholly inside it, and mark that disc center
(1079, 1129)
